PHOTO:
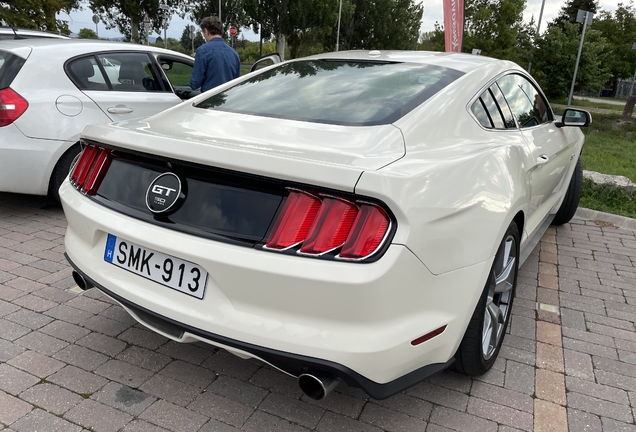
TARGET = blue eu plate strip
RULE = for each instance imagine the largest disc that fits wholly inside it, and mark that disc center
(109, 254)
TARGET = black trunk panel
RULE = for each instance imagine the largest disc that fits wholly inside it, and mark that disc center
(218, 204)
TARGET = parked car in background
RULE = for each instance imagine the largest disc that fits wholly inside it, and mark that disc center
(50, 89)
(13, 33)
(356, 216)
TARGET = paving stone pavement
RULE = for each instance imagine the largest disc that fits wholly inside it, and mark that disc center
(74, 361)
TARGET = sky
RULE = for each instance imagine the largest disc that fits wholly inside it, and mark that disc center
(432, 13)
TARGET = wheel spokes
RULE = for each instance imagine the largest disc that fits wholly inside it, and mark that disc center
(504, 281)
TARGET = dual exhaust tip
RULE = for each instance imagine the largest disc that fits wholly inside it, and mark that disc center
(81, 282)
(316, 385)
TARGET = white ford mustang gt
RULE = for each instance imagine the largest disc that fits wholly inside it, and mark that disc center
(356, 216)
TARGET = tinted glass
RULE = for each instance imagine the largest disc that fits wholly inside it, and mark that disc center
(86, 74)
(493, 110)
(525, 101)
(10, 65)
(129, 72)
(503, 107)
(480, 113)
(336, 92)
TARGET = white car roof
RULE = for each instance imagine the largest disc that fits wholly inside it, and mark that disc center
(73, 47)
(457, 61)
(30, 32)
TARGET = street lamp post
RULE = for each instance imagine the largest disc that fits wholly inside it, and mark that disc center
(584, 17)
(165, 9)
(338, 34)
(631, 91)
(538, 28)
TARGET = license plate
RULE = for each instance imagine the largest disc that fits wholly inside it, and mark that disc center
(164, 269)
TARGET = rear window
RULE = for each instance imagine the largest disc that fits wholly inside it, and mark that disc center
(358, 93)
(10, 65)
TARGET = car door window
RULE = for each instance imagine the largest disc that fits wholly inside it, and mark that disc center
(527, 104)
(86, 74)
(179, 74)
(129, 72)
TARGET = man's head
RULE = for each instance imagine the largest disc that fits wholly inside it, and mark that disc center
(211, 26)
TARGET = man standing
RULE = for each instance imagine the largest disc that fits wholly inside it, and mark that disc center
(215, 62)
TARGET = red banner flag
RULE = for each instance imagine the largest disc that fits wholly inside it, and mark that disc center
(453, 25)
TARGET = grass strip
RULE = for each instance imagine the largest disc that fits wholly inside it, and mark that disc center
(607, 199)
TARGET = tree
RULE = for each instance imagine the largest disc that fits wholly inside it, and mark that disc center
(620, 29)
(432, 40)
(381, 24)
(570, 10)
(556, 57)
(127, 15)
(497, 29)
(36, 14)
(232, 12)
(86, 33)
(186, 40)
(291, 20)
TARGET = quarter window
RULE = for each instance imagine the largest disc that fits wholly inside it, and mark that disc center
(526, 102)
(493, 110)
(481, 115)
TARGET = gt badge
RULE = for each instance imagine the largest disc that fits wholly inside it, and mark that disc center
(164, 193)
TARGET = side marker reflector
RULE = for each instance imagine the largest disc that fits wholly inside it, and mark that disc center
(428, 336)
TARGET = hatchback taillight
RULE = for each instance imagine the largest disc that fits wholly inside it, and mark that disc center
(325, 223)
(90, 169)
(12, 106)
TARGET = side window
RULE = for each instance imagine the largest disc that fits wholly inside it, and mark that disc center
(179, 75)
(86, 74)
(129, 72)
(503, 107)
(525, 101)
(480, 114)
(493, 110)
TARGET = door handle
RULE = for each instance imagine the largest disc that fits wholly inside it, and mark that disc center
(543, 159)
(119, 109)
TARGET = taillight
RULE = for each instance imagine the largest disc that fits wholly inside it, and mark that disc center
(292, 226)
(90, 168)
(319, 225)
(371, 226)
(331, 226)
(12, 106)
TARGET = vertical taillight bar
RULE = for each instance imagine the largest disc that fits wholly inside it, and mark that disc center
(90, 169)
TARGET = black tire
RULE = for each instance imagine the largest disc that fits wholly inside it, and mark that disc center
(477, 352)
(572, 197)
(61, 170)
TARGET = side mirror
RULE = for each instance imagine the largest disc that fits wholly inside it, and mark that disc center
(265, 61)
(575, 117)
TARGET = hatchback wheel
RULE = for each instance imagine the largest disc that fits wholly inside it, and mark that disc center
(487, 328)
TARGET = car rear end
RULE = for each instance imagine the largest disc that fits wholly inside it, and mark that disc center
(42, 111)
(247, 233)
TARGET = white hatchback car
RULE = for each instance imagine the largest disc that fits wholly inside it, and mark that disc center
(50, 89)
(355, 215)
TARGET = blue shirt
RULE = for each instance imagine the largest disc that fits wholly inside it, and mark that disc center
(215, 63)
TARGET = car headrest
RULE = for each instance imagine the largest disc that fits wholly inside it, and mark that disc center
(83, 69)
(133, 71)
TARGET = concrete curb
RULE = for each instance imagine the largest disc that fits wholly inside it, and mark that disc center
(619, 221)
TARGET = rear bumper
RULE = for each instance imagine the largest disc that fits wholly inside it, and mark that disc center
(290, 363)
(26, 163)
(355, 320)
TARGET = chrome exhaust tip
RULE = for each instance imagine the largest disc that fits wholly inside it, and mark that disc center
(82, 283)
(316, 385)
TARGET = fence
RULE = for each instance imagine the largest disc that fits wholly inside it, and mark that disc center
(625, 88)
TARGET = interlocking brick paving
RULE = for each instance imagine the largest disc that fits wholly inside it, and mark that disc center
(77, 361)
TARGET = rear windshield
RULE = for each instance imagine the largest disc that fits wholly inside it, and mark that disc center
(358, 93)
(10, 65)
